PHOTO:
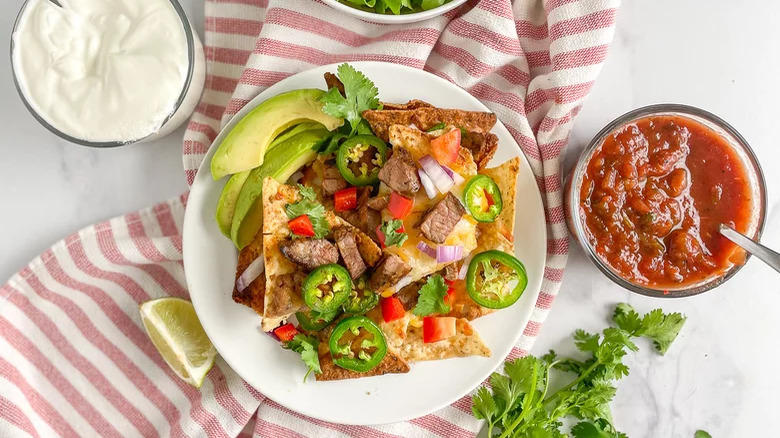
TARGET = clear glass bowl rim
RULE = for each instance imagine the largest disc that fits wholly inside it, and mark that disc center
(188, 32)
(572, 202)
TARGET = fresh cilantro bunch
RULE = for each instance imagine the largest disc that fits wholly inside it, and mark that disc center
(309, 206)
(520, 406)
(395, 6)
(361, 95)
(431, 298)
(392, 236)
(306, 346)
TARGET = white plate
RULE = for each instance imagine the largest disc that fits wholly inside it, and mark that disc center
(394, 19)
(210, 261)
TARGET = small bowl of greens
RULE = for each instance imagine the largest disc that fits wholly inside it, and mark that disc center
(394, 11)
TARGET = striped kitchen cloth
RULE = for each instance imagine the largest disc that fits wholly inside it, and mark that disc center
(74, 359)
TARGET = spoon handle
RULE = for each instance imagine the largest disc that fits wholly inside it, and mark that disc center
(766, 255)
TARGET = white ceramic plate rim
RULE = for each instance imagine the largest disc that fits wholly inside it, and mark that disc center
(277, 373)
(394, 19)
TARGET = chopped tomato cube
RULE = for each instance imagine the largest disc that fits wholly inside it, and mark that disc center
(449, 299)
(445, 148)
(392, 309)
(381, 236)
(286, 332)
(437, 328)
(399, 206)
(345, 199)
(301, 226)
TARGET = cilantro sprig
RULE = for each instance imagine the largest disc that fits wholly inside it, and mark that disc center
(306, 346)
(518, 405)
(392, 236)
(361, 95)
(431, 298)
(309, 206)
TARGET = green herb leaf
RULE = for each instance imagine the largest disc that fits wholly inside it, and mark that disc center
(661, 328)
(701, 434)
(361, 95)
(437, 126)
(432, 297)
(309, 206)
(392, 236)
(306, 346)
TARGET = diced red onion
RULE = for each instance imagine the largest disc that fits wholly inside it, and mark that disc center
(426, 249)
(440, 179)
(250, 274)
(464, 269)
(402, 283)
(296, 177)
(449, 253)
(456, 177)
(427, 183)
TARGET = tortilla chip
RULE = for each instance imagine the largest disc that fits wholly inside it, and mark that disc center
(391, 363)
(505, 176)
(412, 104)
(482, 146)
(331, 80)
(427, 117)
(418, 143)
(253, 295)
(407, 338)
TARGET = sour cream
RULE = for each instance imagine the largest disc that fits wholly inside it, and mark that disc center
(107, 70)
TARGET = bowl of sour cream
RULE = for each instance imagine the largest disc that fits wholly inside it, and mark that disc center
(106, 73)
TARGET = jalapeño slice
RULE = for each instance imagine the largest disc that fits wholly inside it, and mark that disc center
(360, 158)
(483, 198)
(357, 344)
(326, 288)
(362, 299)
(313, 321)
(495, 279)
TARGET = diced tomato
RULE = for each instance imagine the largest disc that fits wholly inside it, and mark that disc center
(392, 309)
(381, 236)
(437, 328)
(449, 299)
(445, 148)
(399, 206)
(286, 332)
(301, 226)
(345, 199)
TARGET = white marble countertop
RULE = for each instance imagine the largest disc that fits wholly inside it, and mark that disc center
(719, 376)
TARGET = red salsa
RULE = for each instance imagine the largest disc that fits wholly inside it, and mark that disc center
(653, 196)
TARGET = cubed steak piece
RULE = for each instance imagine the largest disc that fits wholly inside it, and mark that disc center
(332, 181)
(310, 253)
(442, 218)
(364, 218)
(347, 244)
(400, 172)
(389, 271)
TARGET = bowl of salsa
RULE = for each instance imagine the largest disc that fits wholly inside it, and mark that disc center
(648, 194)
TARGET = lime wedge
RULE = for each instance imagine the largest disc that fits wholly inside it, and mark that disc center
(176, 332)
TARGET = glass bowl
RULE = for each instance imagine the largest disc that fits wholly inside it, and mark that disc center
(185, 104)
(711, 121)
(413, 17)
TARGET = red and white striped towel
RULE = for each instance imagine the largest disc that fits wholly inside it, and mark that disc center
(74, 359)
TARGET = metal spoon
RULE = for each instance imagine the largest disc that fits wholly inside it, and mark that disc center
(56, 2)
(765, 254)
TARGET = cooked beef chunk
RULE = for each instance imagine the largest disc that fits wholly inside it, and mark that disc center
(450, 272)
(442, 218)
(410, 294)
(389, 271)
(345, 240)
(379, 203)
(286, 297)
(364, 218)
(400, 172)
(482, 146)
(310, 253)
(332, 181)
(332, 80)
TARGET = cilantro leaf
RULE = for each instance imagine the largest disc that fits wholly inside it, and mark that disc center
(432, 297)
(306, 346)
(437, 126)
(701, 434)
(660, 328)
(309, 206)
(392, 236)
(599, 429)
(361, 93)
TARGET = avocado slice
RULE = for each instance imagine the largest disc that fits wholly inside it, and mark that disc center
(245, 146)
(226, 206)
(280, 163)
